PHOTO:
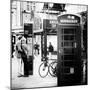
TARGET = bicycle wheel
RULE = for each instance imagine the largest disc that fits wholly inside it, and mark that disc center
(43, 70)
(52, 69)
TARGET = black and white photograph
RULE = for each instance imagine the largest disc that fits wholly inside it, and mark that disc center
(49, 44)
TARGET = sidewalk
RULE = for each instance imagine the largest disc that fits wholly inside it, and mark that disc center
(34, 80)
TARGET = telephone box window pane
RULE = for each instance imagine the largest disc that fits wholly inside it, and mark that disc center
(67, 70)
(69, 31)
(68, 57)
(68, 37)
(68, 44)
(69, 63)
(68, 51)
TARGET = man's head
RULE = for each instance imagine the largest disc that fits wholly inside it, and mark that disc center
(23, 40)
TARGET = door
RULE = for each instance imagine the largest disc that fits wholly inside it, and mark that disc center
(69, 55)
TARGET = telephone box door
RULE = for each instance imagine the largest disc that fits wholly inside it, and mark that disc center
(69, 55)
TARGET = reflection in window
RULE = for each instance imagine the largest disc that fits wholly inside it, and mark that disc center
(69, 31)
(69, 37)
(70, 44)
(68, 51)
(68, 57)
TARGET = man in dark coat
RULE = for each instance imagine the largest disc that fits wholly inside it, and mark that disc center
(50, 50)
(24, 53)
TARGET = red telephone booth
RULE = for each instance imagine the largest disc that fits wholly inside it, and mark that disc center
(69, 50)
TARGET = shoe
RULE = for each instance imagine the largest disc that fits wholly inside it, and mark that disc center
(20, 75)
(26, 76)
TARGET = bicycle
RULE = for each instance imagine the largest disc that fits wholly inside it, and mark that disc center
(46, 68)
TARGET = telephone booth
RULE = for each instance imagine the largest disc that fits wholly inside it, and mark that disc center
(69, 50)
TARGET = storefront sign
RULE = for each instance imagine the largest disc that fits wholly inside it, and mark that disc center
(49, 24)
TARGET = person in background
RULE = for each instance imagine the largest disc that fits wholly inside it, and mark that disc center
(24, 54)
(50, 50)
(18, 57)
(36, 47)
(12, 46)
(21, 53)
